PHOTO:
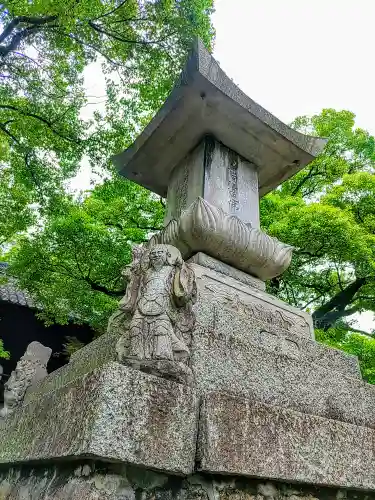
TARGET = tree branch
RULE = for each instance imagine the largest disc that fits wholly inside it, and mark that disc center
(145, 228)
(6, 131)
(327, 314)
(91, 46)
(41, 119)
(356, 330)
(112, 11)
(310, 175)
(36, 24)
(99, 288)
(116, 36)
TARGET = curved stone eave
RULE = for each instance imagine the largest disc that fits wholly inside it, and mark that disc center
(206, 101)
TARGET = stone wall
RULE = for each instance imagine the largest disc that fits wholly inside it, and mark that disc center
(95, 481)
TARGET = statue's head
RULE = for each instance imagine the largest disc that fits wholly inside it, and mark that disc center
(158, 256)
(161, 255)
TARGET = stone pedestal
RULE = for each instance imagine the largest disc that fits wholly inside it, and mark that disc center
(113, 414)
(273, 404)
(90, 480)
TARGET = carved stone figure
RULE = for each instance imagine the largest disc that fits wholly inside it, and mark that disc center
(31, 368)
(160, 294)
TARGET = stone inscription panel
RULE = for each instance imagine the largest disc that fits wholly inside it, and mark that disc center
(269, 316)
(236, 315)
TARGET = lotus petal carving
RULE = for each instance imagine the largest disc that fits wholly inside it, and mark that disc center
(206, 228)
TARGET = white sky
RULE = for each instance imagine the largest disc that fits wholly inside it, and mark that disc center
(293, 57)
(297, 57)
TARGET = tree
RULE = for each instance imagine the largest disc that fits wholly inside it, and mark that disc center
(45, 45)
(73, 265)
(328, 211)
(3, 353)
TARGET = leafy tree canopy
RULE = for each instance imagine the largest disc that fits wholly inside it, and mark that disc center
(327, 211)
(73, 265)
(3, 353)
(45, 45)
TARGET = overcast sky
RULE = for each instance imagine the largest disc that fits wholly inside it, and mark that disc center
(297, 57)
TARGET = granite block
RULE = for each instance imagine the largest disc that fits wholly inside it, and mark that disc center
(248, 304)
(241, 437)
(235, 364)
(112, 414)
(90, 357)
(205, 260)
(92, 481)
(246, 343)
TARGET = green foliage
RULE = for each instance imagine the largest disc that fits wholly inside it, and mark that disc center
(69, 253)
(72, 266)
(45, 45)
(352, 343)
(3, 353)
(327, 211)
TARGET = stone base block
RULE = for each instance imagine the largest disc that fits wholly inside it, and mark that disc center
(242, 437)
(249, 344)
(216, 265)
(113, 414)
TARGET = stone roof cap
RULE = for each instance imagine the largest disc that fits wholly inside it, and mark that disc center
(205, 101)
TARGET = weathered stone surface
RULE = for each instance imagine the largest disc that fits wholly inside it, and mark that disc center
(97, 481)
(247, 343)
(206, 228)
(216, 291)
(242, 437)
(220, 176)
(159, 297)
(205, 101)
(92, 356)
(114, 414)
(30, 369)
(205, 260)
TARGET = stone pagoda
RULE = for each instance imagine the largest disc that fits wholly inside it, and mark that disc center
(205, 386)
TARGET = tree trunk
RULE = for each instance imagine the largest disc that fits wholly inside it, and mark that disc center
(327, 314)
